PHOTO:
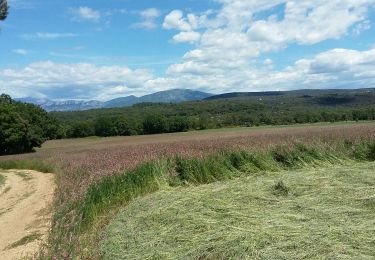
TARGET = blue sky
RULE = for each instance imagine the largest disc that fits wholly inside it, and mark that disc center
(106, 49)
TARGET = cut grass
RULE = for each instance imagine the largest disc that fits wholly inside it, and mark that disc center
(25, 176)
(2, 180)
(26, 240)
(323, 213)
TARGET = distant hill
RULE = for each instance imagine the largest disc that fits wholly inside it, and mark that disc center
(66, 105)
(245, 94)
(326, 96)
(308, 97)
(175, 96)
(168, 96)
(122, 102)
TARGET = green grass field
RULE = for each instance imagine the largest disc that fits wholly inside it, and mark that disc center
(322, 213)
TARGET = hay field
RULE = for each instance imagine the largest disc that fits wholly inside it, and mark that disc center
(324, 213)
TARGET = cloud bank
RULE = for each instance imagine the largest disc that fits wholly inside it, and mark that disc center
(228, 48)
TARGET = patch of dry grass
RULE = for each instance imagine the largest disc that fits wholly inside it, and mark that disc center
(26, 240)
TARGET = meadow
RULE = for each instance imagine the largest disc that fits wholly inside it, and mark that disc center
(96, 177)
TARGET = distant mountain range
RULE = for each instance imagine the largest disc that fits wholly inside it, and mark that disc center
(169, 96)
(296, 93)
(322, 96)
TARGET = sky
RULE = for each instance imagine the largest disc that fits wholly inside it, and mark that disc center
(104, 49)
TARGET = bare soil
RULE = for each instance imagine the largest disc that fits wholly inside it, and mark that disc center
(25, 212)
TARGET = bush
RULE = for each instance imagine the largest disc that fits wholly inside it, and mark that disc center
(155, 124)
(81, 129)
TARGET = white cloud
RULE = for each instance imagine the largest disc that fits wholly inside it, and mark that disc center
(22, 52)
(148, 17)
(342, 60)
(47, 36)
(150, 13)
(72, 80)
(361, 27)
(310, 22)
(175, 20)
(235, 37)
(337, 68)
(268, 63)
(231, 46)
(85, 13)
(187, 37)
(334, 68)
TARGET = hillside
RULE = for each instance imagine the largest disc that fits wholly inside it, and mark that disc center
(340, 97)
(169, 96)
(332, 94)
(243, 110)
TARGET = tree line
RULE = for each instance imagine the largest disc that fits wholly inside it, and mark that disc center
(25, 126)
(158, 123)
(123, 126)
(154, 118)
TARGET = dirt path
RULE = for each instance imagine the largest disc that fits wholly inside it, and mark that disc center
(25, 202)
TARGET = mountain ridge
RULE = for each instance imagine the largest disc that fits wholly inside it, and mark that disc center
(233, 95)
(182, 95)
(167, 96)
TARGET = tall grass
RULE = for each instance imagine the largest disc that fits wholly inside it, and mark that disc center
(119, 189)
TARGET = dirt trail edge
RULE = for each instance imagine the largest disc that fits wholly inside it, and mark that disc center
(25, 212)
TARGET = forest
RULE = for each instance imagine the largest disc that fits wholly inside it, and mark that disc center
(277, 108)
(25, 126)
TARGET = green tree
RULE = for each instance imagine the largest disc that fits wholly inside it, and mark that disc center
(81, 129)
(155, 124)
(16, 133)
(178, 124)
(112, 126)
(24, 126)
(4, 8)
